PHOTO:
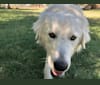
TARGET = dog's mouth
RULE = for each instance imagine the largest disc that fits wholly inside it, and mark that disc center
(56, 73)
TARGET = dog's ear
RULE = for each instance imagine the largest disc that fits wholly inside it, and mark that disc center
(85, 34)
(85, 38)
(36, 28)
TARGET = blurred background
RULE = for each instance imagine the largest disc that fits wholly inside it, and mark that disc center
(32, 6)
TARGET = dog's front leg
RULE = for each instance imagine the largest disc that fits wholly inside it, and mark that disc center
(47, 73)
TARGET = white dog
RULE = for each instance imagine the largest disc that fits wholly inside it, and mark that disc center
(63, 30)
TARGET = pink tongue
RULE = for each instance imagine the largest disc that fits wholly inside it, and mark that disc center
(56, 73)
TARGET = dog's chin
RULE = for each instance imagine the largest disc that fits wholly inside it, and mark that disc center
(56, 74)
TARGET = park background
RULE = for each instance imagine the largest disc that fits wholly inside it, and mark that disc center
(22, 58)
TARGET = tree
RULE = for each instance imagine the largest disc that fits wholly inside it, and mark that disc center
(8, 6)
(91, 6)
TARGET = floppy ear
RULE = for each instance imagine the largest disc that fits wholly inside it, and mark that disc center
(37, 28)
(85, 34)
(85, 38)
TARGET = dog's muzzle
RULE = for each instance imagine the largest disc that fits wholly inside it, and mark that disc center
(59, 67)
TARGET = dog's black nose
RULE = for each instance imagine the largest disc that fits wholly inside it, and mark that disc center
(60, 65)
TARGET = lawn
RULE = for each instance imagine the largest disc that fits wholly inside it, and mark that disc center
(22, 58)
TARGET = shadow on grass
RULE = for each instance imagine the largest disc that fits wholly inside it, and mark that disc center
(22, 58)
(19, 11)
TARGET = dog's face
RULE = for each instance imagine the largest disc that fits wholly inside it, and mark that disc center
(62, 42)
(62, 37)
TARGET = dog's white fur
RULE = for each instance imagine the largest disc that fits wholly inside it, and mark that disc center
(64, 20)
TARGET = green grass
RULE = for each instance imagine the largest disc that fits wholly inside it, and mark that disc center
(22, 58)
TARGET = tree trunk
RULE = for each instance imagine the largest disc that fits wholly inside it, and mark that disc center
(8, 6)
(91, 6)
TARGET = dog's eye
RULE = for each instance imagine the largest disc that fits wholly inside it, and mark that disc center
(52, 35)
(73, 37)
